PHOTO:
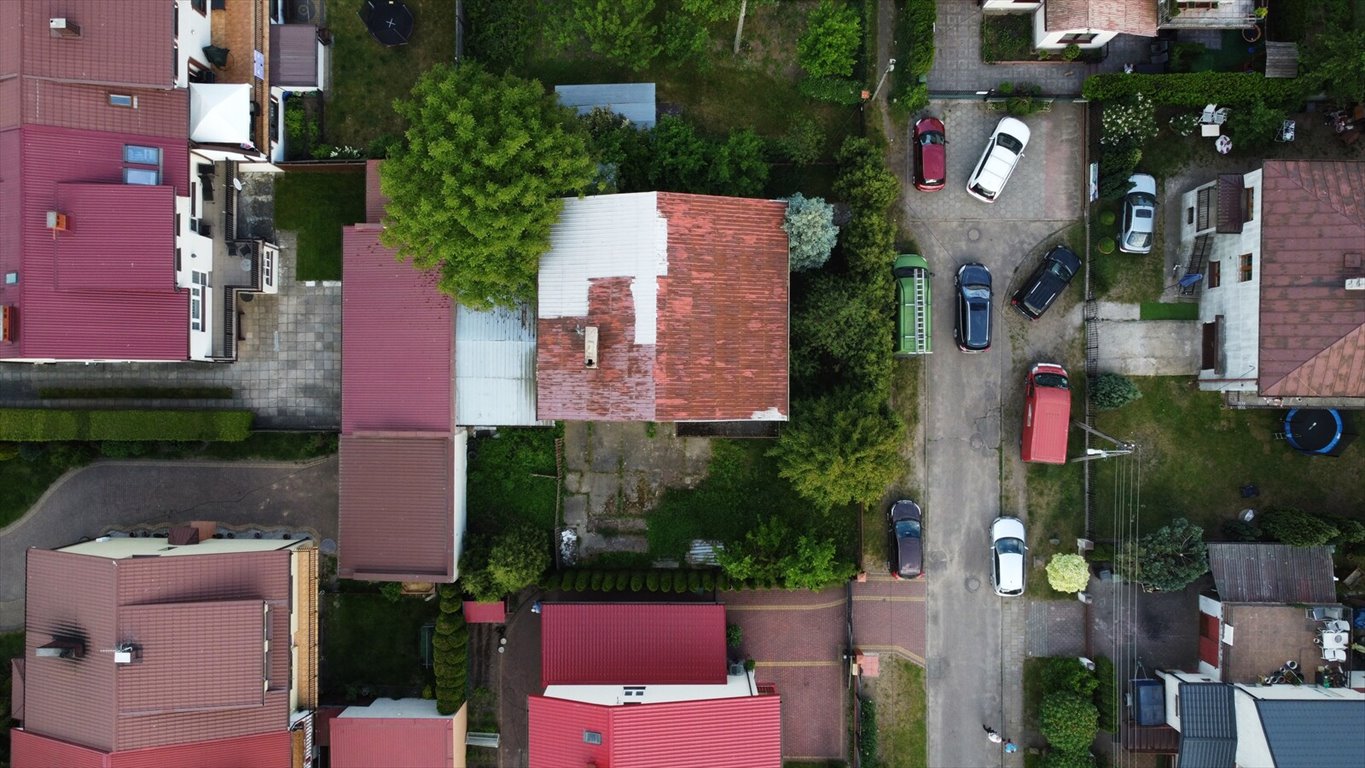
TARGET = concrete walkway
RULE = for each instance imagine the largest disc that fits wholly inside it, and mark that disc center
(112, 494)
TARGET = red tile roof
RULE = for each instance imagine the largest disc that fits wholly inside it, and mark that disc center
(1312, 330)
(398, 506)
(398, 344)
(720, 351)
(1133, 17)
(197, 622)
(716, 733)
(105, 289)
(127, 43)
(632, 644)
(394, 742)
(265, 750)
(485, 613)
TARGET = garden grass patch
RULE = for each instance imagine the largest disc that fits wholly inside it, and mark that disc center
(1127, 277)
(317, 205)
(367, 77)
(900, 697)
(1007, 37)
(370, 643)
(1155, 310)
(512, 479)
(25, 481)
(1194, 456)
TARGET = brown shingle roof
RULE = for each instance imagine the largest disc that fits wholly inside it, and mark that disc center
(294, 55)
(1272, 573)
(1231, 203)
(1312, 330)
(197, 622)
(1133, 17)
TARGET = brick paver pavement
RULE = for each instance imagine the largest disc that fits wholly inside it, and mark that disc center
(888, 617)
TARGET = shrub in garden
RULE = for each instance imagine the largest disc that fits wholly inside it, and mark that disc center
(652, 581)
(723, 581)
(1297, 528)
(57, 424)
(1196, 89)
(637, 582)
(1071, 52)
(595, 580)
(1113, 391)
(803, 142)
(1058, 759)
(811, 233)
(666, 581)
(1107, 218)
(1065, 673)
(1167, 559)
(693, 581)
(568, 581)
(829, 46)
(708, 581)
(836, 90)
(450, 662)
(1067, 573)
(867, 744)
(680, 583)
(1069, 721)
(734, 635)
(582, 581)
(1128, 122)
(1107, 694)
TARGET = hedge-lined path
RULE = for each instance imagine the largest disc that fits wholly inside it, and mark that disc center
(111, 494)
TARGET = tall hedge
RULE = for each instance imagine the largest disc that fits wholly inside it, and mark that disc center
(1196, 89)
(450, 657)
(55, 424)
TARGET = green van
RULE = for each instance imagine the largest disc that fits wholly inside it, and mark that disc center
(914, 331)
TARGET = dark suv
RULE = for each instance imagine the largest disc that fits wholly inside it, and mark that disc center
(973, 326)
(1047, 282)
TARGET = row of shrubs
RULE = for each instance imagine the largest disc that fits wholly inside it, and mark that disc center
(1295, 527)
(658, 580)
(1077, 702)
(54, 424)
(1195, 89)
(915, 49)
(135, 393)
(450, 653)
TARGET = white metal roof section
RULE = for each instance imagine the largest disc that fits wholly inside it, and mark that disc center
(734, 687)
(633, 101)
(606, 236)
(495, 367)
(220, 113)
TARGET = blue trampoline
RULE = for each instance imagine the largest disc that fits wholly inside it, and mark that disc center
(1317, 431)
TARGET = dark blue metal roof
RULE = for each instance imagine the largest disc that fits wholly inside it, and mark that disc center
(1150, 696)
(1208, 726)
(1313, 734)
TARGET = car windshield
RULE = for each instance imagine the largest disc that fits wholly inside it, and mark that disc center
(1140, 239)
(1010, 546)
(976, 291)
(932, 137)
(907, 529)
(1146, 201)
(980, 190)
(1009, 142)
(1055, 380)
(1060, 270)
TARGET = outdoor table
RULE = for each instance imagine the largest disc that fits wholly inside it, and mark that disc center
(1331, 640)
(1223, 145)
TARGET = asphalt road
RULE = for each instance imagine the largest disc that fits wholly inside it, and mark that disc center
(974, 641)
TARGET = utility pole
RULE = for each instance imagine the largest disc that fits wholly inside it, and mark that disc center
(1122, 449)
(890, 67)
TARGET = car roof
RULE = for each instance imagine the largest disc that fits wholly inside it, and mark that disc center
(1007, 528)
(1011, 573)
(1066, 256)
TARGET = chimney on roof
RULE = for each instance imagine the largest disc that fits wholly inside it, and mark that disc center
(57, 222)
(126, 653)
(1355, 283)
(63, 27)
(590, 347)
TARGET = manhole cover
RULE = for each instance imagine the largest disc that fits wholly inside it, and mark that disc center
(973, 234)
(973, 583)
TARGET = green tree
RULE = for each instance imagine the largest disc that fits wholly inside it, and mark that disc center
(1255, 125)
(476, 188)
(680, 156)
(814, 564)
(804, 140)
(1058, 759)
(1297, 528)
(840, 330)
(1067, 573)
(1113, 390)
(1167, 559)
(619, 30)
(1065, 673)
(864, 180)
(1336, 59)
(842, 448)
(811, 233)
(1069, 721)
(829, 46)
(518, 558)
(738, 169)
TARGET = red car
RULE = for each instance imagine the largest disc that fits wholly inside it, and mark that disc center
(931, 157)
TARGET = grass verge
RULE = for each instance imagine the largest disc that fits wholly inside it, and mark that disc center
(317, 205)
(1194, 455)
(1007, 37)
(512, 479)
(25, 481)
(371, 646)
(1155, 310)
(367, 77)
(901, 717)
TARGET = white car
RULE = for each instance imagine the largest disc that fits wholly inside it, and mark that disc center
(1007, 556)
(1139, 215)
(998, 161)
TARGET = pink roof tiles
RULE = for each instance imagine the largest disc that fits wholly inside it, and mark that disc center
(689, 295)
(632, 644)
(197, 622)
(131, 44)
(716, 733)
(1133, 17)
(1312, 330)
(389, 738)
(485, 613)
(264, 750)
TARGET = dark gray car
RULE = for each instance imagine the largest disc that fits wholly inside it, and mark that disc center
(907, 531)
(1047, 282)
(973, 326)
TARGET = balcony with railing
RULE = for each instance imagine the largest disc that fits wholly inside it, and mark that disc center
(1206, 14)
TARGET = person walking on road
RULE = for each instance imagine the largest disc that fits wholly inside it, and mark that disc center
(991, 734)
(1010, 747)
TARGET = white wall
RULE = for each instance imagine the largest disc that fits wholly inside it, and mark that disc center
(1010, 5)
(193, 35)
(1239, 302)
(461, 439)
(1052, 38)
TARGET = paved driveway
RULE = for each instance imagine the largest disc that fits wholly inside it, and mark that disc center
(974, 640)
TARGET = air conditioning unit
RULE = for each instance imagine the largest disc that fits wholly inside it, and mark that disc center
(63, 27)
(1355, 283)
(737, 668)
(57, 222)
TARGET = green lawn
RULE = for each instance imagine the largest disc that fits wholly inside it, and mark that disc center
(1154, 310)
(24, 481)
(1007, 37)
(317, 205)
(512, 479)
(1194, 456)
(11, 646)
(371, 643)
(367, 77)
(1124, 277)
(900, 715)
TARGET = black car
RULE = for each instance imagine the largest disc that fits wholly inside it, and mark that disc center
(906, 521)
(1047, 282)
(973, 326)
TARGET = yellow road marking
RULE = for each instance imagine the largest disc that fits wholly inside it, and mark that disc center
(889, 598)
(798, 663)
(896, 649)
(811, 607)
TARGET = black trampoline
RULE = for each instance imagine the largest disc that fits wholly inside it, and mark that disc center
(389, 21)
(1318, 431)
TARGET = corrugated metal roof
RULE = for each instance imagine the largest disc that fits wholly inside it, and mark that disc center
(166, 607)
(1313, 734)
(633, 101)
(374, 195)
(632, 643)
(1208, 726)
(397, 344)
(485, 613)
(363, 739)
(1312, 330)
(717, 733)
(689, 295)
(495, 367)
(1101, 15)
(294, 55)
(1272, 573)
(129, 42)
(16, 690)
(402, 502)
(265, 750)
(104, 289)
